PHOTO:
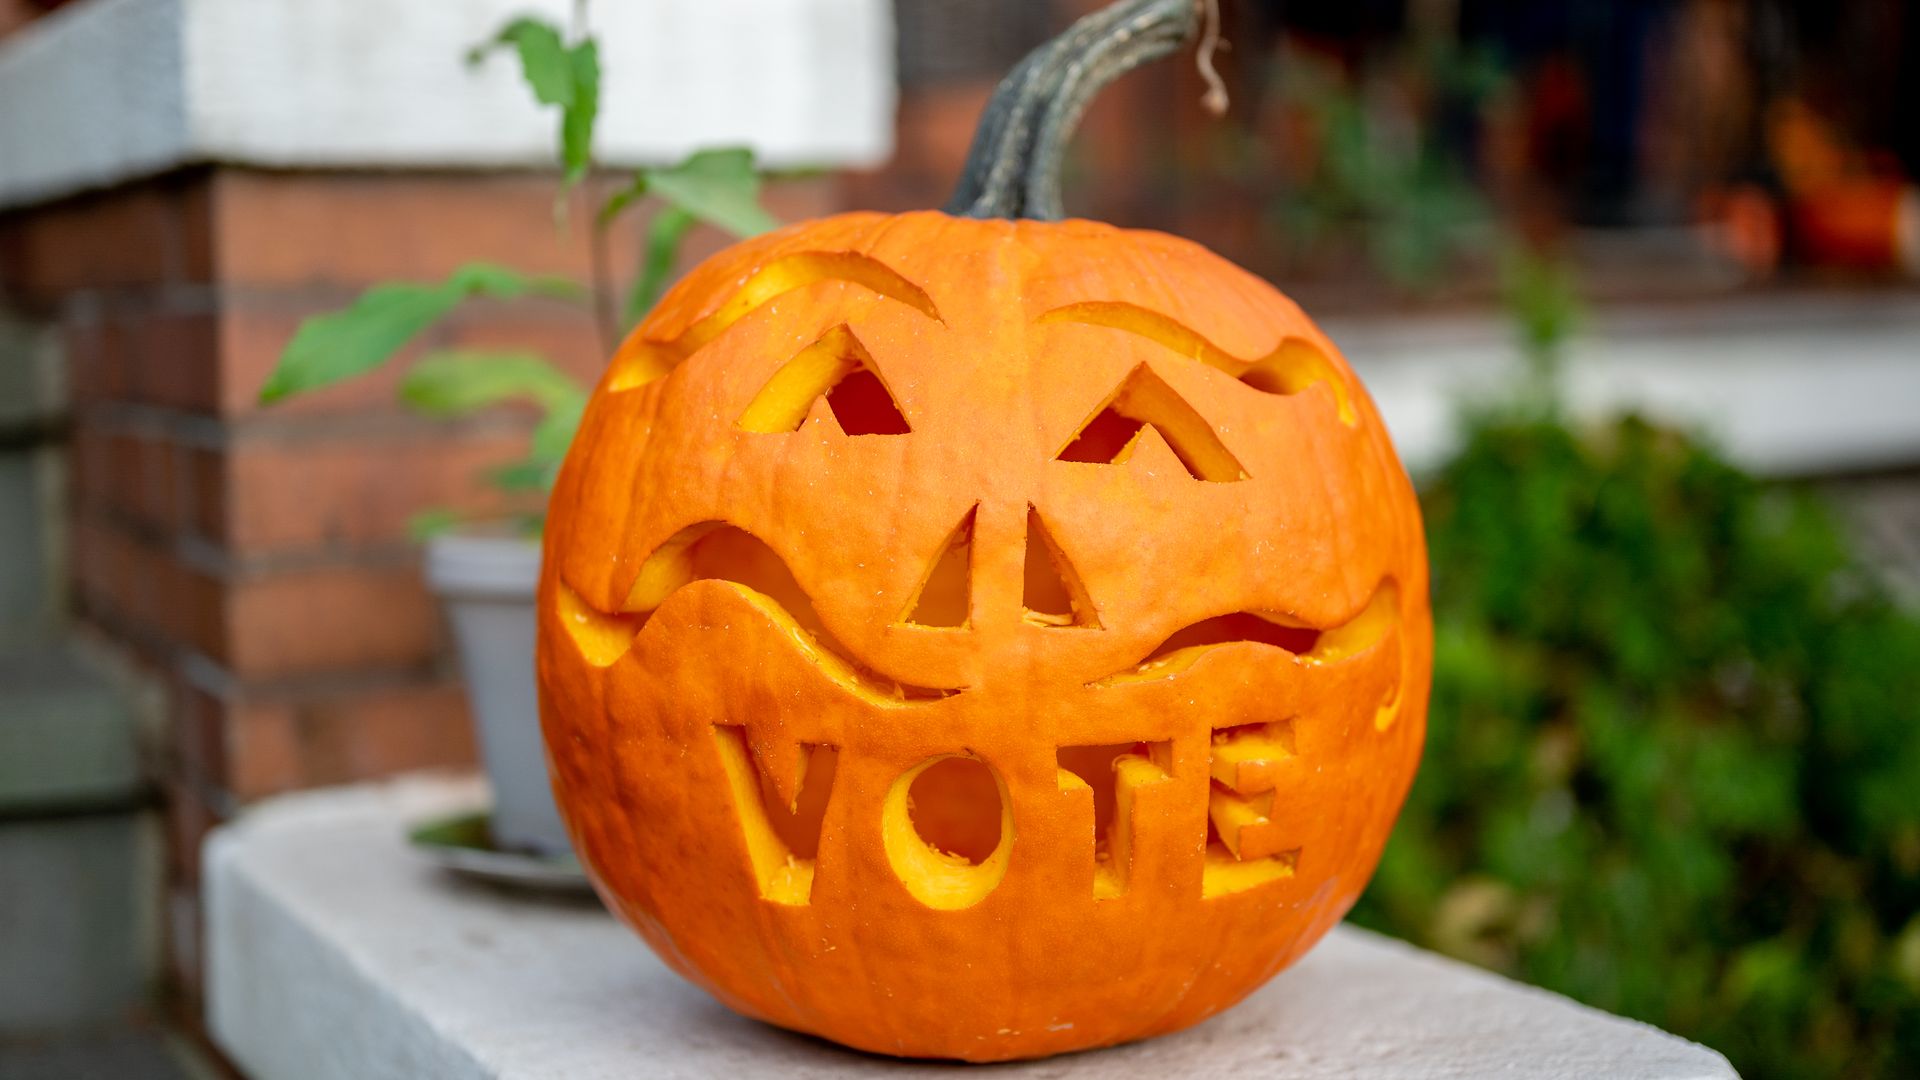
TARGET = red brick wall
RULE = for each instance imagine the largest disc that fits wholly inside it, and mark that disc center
(255, 559)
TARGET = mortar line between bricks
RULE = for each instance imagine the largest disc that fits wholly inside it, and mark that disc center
(211, 791)
(213, 560)
(208, 432)
(321, 296)
(98, 302)
(204, 555)
(204, 673)
(95, 302)
(127, 634)
(143, 796)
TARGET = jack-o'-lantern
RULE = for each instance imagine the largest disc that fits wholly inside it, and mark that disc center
(981, 638)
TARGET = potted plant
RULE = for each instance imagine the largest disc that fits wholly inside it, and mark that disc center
(485, 571)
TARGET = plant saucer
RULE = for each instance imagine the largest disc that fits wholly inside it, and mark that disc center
(463, 844)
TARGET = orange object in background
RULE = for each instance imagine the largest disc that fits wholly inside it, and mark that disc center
(1843, 207)
(1865, 224)
(1808, 152)
(1744, 222)
(981, 639)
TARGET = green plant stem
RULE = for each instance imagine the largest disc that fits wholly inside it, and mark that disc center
(599, 253)
(600, 268)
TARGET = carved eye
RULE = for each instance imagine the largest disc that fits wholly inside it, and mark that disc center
(838, 369)
(1142, 401)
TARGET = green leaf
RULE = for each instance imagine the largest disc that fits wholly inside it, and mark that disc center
(544, 58)
(342, 344)
(528, 475)
(578, 117)
(329, 348)
(1542, 297)
(557, 429)
(664, 235)
(545, 61)
(454, 382)
(1906, 955)
(564, 76)
(431, 522)
(490, 279)
(618, 202)
(450, 383)
(718, 187)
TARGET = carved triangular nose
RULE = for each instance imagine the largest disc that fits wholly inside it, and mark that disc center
(945, 596)
(1052, 594)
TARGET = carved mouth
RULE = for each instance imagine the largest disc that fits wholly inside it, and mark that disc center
(780, 790)
(724, 553)
(1306, 644)
(727, 554)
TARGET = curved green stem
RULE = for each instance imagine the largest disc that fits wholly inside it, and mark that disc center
(1013, 167)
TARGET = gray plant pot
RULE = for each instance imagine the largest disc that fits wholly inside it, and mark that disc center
(486, 585)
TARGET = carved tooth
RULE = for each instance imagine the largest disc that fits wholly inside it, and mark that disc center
(1249, 762)
(783, 759)
(1243, 824)
(601, 638)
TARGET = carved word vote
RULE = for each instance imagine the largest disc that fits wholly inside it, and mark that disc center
(1247, 765)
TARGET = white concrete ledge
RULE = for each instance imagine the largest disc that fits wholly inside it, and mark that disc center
(1790, 384)
(110, 90)
(334, 951)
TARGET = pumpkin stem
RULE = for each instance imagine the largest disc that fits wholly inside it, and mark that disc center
(1013, 167)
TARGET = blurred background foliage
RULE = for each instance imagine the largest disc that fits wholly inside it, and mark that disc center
(1674, 744)
(1674, 741)
(1364, 171)
(1673, 766)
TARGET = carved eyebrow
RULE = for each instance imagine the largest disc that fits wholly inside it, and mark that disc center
(643, 360)
(1293, 366)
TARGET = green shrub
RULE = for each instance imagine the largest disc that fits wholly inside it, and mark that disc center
(1673, 764)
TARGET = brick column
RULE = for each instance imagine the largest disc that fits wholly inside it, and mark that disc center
(256, 559)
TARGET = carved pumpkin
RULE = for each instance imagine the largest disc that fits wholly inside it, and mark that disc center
(981, 638)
